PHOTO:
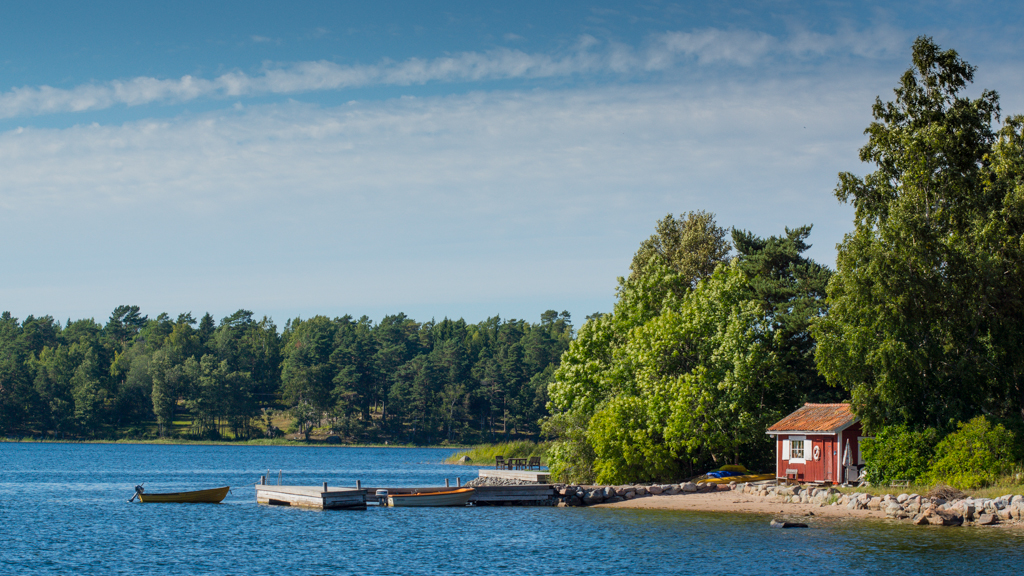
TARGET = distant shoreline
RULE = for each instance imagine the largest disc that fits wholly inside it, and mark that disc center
(281, 443)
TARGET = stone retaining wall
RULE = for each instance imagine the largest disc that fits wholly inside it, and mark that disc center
(912, 507)
(573, 495)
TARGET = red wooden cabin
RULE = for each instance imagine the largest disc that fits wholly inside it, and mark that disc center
(812, 443)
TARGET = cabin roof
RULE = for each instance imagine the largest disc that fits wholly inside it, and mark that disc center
(816, 418)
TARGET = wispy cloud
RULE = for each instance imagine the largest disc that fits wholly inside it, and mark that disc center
(588, 56)
(548, 190)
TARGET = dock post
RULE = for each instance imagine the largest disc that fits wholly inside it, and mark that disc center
(263, 480)
(325, 486)
(359, 484)
(458, 482)
(279, 477)
(446, 483)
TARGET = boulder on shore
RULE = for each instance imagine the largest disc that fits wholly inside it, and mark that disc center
(780, 524)
(986, 520)
(936, 517)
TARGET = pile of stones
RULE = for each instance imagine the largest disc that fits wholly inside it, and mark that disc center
(494, 481)
(575, 495)
(918, 509)
(822, 496)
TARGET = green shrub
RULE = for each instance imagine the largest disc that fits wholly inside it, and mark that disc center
(899, 453)
(976, 455)
(571, 457)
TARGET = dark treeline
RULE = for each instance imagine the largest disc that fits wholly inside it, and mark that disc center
(398, 379)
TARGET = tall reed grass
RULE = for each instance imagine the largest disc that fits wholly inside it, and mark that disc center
(486, 453)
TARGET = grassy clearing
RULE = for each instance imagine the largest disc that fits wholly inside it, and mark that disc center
(486, 453)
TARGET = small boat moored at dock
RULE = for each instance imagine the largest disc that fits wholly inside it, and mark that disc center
(210, 496)
(457, 497)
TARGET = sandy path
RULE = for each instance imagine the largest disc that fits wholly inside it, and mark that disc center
(731, 501)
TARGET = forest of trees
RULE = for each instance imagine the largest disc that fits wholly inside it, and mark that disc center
(716, 334)
(920, 327)
(397, 380)
(701, 354)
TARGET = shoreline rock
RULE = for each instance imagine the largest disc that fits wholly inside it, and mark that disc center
(914, 508)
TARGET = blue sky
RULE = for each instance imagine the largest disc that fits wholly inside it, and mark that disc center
(459, 159)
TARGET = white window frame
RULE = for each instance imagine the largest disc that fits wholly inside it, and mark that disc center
(804, 445)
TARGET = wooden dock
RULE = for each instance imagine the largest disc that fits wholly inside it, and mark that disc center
(320, 497)
(538, 476)
(524, 495)
(338, 498)
(528, 494)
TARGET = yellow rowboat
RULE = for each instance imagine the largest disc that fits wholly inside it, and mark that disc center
(213, 496)
(737, 479)
(451, 498)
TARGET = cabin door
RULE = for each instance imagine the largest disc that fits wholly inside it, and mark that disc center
(829, 459)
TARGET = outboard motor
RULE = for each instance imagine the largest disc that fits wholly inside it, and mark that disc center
(138, 490)
(382, 497)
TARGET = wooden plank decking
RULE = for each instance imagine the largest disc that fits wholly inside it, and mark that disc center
(481, 494)
(356, 499)
(526, 493)
(312, 497)
(538, 476)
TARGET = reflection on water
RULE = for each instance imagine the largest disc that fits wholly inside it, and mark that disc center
(63, 510)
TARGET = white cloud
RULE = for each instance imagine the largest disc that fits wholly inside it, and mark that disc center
(710, 46)
(589, 55)
(505, 202)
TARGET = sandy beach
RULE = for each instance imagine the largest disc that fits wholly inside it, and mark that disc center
(735, 501)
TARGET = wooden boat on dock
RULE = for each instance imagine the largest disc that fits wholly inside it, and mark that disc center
(457, 497)
(737, 479)
(210, 496)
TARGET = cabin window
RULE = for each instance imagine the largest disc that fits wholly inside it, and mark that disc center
(797, 452)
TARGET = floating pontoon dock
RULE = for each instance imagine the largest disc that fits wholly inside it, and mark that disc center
(484, 495)
(336, 498)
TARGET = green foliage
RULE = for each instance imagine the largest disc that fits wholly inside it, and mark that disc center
(926, 318)
(687, 371)
(629, 441)
(976, 455)
(571, 457)
(790, 290)
(691, 246)
(403, 380)
(897, 453)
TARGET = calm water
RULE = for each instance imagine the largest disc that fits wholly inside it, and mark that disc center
(63, 511)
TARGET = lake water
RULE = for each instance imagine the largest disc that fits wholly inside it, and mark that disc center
(63, 511)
